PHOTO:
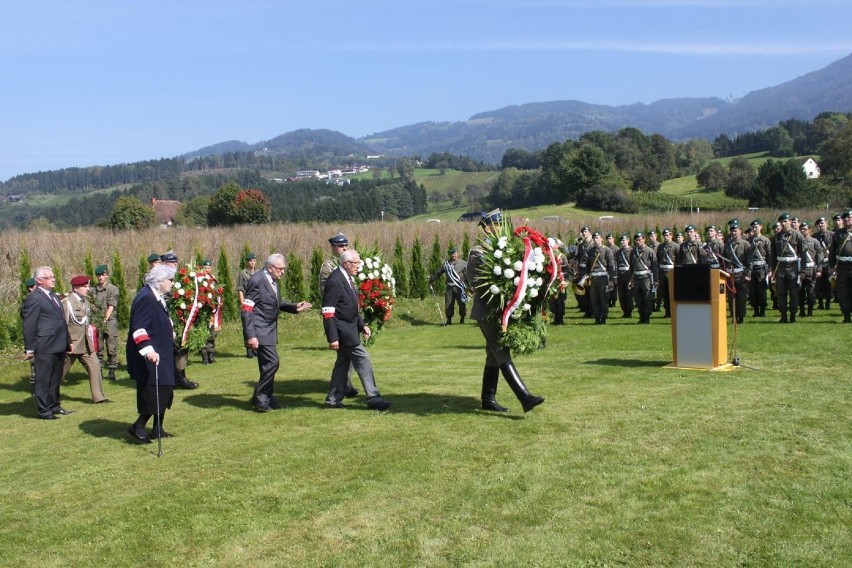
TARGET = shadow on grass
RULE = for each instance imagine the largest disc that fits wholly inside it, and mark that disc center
(411, 320)
(25, 408)
(626, 363)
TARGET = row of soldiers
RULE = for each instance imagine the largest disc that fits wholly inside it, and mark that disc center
(797, 267)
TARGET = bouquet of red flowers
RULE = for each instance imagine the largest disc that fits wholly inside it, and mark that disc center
(376, 293)
(195, 305)
(518, 273)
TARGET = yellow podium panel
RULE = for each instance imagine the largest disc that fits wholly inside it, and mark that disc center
(698, 308)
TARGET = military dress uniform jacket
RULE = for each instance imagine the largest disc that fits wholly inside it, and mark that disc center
(622, 260)
(44, 325)
(643, 264)
(260, 308)
(787, 248)
(77, 317)
(242, 279)
(840, 251)
(341, 316)
(602, 262)
(813, 256)
(459, 267)
(738, 253)
(104, 296)
(150, 329)
(761, 251)
(691, 252)
(666, 255)
(480, 310)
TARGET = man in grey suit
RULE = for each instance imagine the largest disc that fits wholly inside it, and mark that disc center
(46, 341)
(260, 308)
(343, 325)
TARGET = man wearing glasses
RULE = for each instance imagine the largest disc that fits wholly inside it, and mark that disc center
(260, 320)
(46, 341)
(343, 325)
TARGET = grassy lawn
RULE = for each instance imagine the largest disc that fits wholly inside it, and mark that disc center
(625, 464)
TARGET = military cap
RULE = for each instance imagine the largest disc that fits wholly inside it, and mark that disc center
(608, 235)
(804, 225)
(101, 269)
(819, 220)
(596, 234)
(784, 217)
(794, 218)
(757, 223)
(584, 228)
(495, 216)
(845, 214)
(251, 256)
(338, 240)
(639, 235)
(452, 250)
(624, 236)
(667, 231)
(79, 281)
(734, 224)
(837, 217)
(689, 228)
(154, 257)
(29, 282)
(169, 257)
(712, 228)
(206, 262)
(678, 234)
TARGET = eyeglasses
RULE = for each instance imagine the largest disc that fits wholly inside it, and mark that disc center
(280, 267)
(353, 262)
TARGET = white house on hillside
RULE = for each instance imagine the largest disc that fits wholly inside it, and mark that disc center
(810, 167)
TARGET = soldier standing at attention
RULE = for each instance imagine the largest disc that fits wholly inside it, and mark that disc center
(455, 270)
(601, 270)
(787, 256)
(652, 242)
(688, 251)
(208, 352)
(613, 294)
(643, 272)
(666, 253)
(242, 279)
(339, 244)
(823, 285)
(584, 244)
(713, 247)
(738, 253)
(760, 251)
(812, 269)
(840, 257)
(622, 262)
(105, 296)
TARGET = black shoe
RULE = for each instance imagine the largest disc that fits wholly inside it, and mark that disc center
(793, 318)
(262, 407)
(335, 405)
(111, 375)
(274, 404)
(379, 405)
(184, 383)
(163, 434)
(139, 437)
(63, 412)
(847, 318)
(461, 320)
(48, 417)
(351, 393)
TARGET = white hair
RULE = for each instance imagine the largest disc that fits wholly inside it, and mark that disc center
(158, 274)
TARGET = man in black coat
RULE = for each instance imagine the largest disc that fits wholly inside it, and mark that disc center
(46, 341)
(150, 353)
(343, 325)
(260, 321)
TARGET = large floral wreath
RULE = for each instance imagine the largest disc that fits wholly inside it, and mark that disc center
(376, 293)
(195, 306)
(518, 272)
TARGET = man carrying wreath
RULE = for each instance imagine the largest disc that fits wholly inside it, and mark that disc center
(497, 358)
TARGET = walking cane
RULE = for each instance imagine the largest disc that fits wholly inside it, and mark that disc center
(438, 306)
(159, 420)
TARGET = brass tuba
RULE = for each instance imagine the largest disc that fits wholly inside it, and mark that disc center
(579, 287)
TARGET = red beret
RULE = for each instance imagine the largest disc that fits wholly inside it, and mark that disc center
(79, 281)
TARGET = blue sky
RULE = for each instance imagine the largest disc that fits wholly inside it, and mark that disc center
(103, 81)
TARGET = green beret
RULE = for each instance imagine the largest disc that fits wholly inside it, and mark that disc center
(29, 282)
(101, 269)
(639, 235)
(154, 257)
(757, 223)
(784, 217)
(452, 250)
(689, 228)
(206, 262)
(251, 256)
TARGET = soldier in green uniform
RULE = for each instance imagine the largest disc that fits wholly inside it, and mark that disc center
(622, 262)
(601, 271)
(713, 247)
(840, 258)
(738, 254)
(822, 287)
(208, 352)
(242, 279)
(812, 271)
(787, 261)
(339, 244)
(643, 271)
(691, 250)
(652, 242)
(613, 294)
(105, 299)
(584, 244)
(455, 270)
(666, 254)
(760, 251)
(498, 359)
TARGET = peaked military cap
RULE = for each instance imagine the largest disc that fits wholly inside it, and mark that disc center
(101, 269)
(338, 240)
(169, 257)
(624, 236)
(734, 224)
(495, 216)
(596, 234)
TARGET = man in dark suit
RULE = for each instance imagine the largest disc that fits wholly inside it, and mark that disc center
(150, 353)
(260, 321)
(46, 341)
(343, 325)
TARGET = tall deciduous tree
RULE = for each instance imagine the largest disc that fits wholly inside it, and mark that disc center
(130, 213)
(741, 176)
(713, 177)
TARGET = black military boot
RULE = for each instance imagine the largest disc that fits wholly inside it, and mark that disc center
(810, 310)
(793, 316)
(205, 358)
(820, 305)
(111, 374)
(448, 322)
(784, 318)
(528, 401)
(461, 320)
(182, 382)
(211, 356)
(802, 311)
(847, 317)
(490, 378)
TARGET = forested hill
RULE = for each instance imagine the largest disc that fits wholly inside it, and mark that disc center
(486, 136)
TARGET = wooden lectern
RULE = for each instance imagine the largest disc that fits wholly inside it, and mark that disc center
(698, 309)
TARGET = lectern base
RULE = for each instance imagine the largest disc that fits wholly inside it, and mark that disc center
(721, 368)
